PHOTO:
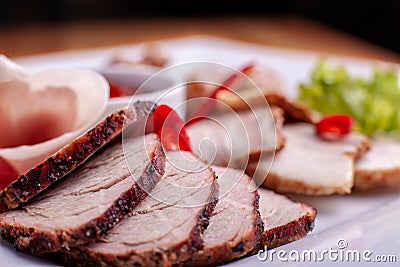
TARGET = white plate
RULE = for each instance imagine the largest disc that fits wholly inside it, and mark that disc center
(153, 84)
(366, 220)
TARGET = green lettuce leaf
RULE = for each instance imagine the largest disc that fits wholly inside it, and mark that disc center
(374, 102)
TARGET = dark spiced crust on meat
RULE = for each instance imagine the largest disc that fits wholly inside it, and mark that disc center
(34, 242)
(294, 112)
(69, 157)
(196, 237)
(174, 256)
(287, 233)
(228, 252)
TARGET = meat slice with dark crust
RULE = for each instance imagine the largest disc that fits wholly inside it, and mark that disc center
(90, 202)
(262, 84)
(284, 220)
(69, 157)
(236, 226)
(166, 228)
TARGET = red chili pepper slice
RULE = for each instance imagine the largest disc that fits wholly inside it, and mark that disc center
(116, 91)
(209, 105)
(171, 129)
(173, 141)
(334, 127)
(7, 173)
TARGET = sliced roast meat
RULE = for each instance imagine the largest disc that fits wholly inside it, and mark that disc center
(293, 111)
(310, 165)
(206, 78)
(273, 89)
(229, 139)
(69, 157)
(90, 202)
(380, 166)
(284, 220)
(236, 226)
(166, 228)
(263, 84)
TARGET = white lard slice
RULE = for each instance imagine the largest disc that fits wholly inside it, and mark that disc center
(308, 164)
(380, 166)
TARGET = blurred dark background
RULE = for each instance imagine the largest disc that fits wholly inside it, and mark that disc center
(375, 21)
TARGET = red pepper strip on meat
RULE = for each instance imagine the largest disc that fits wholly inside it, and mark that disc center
(171, 129)
(334, 127)
(209, 105)
(116, 91)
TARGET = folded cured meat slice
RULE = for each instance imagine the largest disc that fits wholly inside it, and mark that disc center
(310, 165)
(91, 201)
(229, 139)
(166, 228)
(235, 227)
(380, 166)
(284, 220)
(72, 155)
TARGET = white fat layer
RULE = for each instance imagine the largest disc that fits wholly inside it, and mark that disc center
(383, 155)
(320, 166)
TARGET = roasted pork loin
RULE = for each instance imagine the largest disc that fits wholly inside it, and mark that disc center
(166, 228)
(231, 139)
(90, 201)
(236, 226)
(284, 220)
(69, 157)
(246, 220)
(261, 85)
